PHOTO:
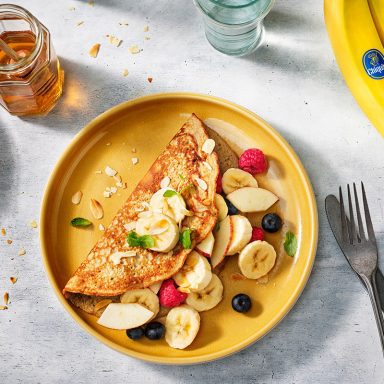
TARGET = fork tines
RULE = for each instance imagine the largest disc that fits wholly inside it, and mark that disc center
(349, 231)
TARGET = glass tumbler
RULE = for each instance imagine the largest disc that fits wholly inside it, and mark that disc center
(234, 27)
(30, 76)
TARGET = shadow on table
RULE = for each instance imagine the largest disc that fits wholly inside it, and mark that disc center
(87, 92)
(313, 322)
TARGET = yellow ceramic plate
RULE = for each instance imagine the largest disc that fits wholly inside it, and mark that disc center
(147, 125)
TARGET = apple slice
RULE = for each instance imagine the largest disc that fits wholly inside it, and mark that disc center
(242, 233)
(124, 316)
(223, 238)
(251, 199)
(206, 246)
(222, 207)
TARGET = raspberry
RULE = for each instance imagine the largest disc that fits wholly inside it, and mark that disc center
(219, 185)
(169, 296)
(257, 234)
(253, 161)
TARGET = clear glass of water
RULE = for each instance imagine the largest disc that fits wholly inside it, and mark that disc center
(234, 27)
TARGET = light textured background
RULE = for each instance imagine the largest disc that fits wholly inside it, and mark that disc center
(292, 82)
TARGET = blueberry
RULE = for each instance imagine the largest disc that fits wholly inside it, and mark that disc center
(154, 330)
(135, 333)
(241, 303)
(271, 222)
(232, 210)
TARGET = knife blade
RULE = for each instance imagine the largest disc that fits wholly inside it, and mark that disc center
(332, 208)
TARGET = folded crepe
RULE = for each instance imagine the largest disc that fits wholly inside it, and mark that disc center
(190, 170)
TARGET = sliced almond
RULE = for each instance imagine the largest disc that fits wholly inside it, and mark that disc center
(6, 298)
(114, 40)
(184, 289)
(207, 165)
(98, 171)
(94, 51)
(79, 23)
(33, 224)
(134, 49)
(117, 178)
(134, 150)
(135, 160)
(96, 209)
(113, 189)
(208, 146)
(147, 38)
(110, 171)
(164, 183)
(76, 198)
(125, 72)
(146, 28)
(130, 226)
(201, 183)
(101, 227)
(107, 194)
(22, 252)
(13, 279)
(102, 304)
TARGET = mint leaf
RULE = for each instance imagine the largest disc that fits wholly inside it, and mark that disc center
(185, 239)
(145, 241)
(80, 222)
(170, 193)
(290, 244)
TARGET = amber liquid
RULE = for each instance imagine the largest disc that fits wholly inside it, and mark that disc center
(35, 88)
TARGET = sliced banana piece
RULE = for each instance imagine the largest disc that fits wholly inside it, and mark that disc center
(257, 259)
(235, 178)
(181, 326)
(221, 206)
(242, 233)
(162, 228)
(195, 274)
(144, 297)
(208, 297)
(173, 206)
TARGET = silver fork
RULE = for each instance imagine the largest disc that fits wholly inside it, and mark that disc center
(361, 249)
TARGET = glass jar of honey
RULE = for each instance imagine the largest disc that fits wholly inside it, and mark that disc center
(31, 79)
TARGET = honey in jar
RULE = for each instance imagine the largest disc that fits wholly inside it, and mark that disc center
(30, 83)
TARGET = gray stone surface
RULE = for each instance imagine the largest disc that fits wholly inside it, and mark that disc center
(292, 82)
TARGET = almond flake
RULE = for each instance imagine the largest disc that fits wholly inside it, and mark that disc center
(130, 226)
(134, 49)
(184, 290)
(6, 298)
(9, 241)
(76, 198)
(72, 8)
(114, 40)
(147, 38)
(116, 257)
(94, 51)
(117, 178)
(125, 72)
(207, 165)
(202, 184)
(108, 144)
(124, 185)
(101, 227)
(110, 171)
(113, 189)
(123, 23)
(33, 224)
(3, 307)
(135, 160)
(146, 28)
(119, 184)
(133, 150)
(164, 183)
(3, 231)
(150, 79)
(22, 252)
(13, 279)
(107, 194)
(208, 146)
(96, 209)
(98, 171)
(102, 304)
(79, 23)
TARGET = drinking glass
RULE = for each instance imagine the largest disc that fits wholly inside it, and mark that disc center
(234, 27)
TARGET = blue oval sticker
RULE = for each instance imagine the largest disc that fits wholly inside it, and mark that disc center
(373, 61)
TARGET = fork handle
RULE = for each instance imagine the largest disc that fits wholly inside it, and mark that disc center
(375, 300)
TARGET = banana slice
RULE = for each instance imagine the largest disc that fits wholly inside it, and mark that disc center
(221, 206)
(144, 297)
(195, 274)
(207, 298)
(173, 206)
(242, 233)
(181, 326)
(162, 228)
(257, 259)
(235, 178)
